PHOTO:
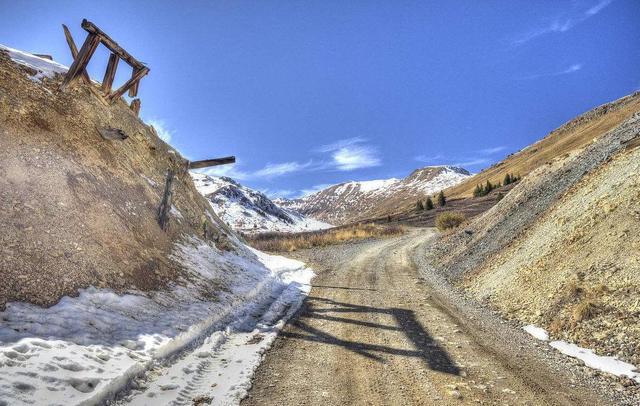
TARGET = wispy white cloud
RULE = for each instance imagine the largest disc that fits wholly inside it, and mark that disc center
(350, 154)
(355, 157)
(161, 128)
(562, 23)
(566, 71)
(231, 171)
(274, 170)
(340, 144)
(492, 150)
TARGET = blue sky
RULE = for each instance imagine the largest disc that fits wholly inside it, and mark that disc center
(309, 93)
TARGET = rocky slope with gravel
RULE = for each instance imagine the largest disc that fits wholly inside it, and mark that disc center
(561, 249)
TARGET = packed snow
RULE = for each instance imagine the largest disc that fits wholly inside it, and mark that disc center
(537, 332)
(42, 66)
(250, 211)
(611, 365)
(88, 348)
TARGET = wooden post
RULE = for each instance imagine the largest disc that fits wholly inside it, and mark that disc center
(165, 204)
(135, 106)
(133, 91)
(110, 73)
(74, 51)
(135, 78)
(211, 162)
(80, 62)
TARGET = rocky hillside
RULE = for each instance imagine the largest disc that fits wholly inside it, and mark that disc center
(560, 250)
(352, 201)
(250, 211)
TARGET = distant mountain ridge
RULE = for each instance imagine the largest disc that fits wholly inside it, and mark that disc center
(249, 211)
(353, 201)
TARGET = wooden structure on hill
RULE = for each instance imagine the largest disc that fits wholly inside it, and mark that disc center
(81, 58)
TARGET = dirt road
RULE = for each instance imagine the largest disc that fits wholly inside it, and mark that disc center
(375, 331)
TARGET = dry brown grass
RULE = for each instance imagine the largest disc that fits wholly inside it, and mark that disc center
(287, 242)
(449, 219)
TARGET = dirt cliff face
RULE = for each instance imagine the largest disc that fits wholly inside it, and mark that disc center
(561, 250)
(78, 210)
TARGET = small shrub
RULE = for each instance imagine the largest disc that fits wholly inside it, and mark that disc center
(441, 199)
(419, 205)
(428, 204)
(450, 219)
(584, 310)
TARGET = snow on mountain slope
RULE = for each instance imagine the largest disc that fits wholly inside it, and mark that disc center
(249, 211)
(352, 201)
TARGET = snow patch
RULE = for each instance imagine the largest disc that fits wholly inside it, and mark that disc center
(611, 365)
(88, 348)
(43, 67)
(537, 332)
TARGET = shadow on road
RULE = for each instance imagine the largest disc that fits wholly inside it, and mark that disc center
(427, 349)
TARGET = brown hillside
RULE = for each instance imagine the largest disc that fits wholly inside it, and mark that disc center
(573, 135)
(77, 210)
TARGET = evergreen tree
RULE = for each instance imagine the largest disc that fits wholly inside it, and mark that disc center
(507, 179)
(428, 204)
(419, 205)
(488, 187)
(477, 192)
(441, 199)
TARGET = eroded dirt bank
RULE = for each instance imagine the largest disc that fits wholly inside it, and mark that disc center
(376, 331)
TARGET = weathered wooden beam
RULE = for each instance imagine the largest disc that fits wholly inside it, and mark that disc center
(74, 51)
(165, 203)
(135, 78)
(135, 106)
(81, 61)
(211, 162)
(111, 44)
(133, 90)
(110, 73)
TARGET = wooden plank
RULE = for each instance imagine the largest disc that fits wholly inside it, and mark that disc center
(136, 77)
(211, 162)
(133, 91)
(111, 44)
(81, 61)
(74, 51)
(165, 203)
(110, 73)
(135, 106)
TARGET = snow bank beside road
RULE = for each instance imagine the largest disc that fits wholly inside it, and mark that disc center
(86, 349)
(610, 365)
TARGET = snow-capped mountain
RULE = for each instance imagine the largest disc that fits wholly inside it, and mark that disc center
(250, 211)
(353, 201)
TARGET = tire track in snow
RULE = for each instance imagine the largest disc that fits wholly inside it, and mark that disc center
(220, 370)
